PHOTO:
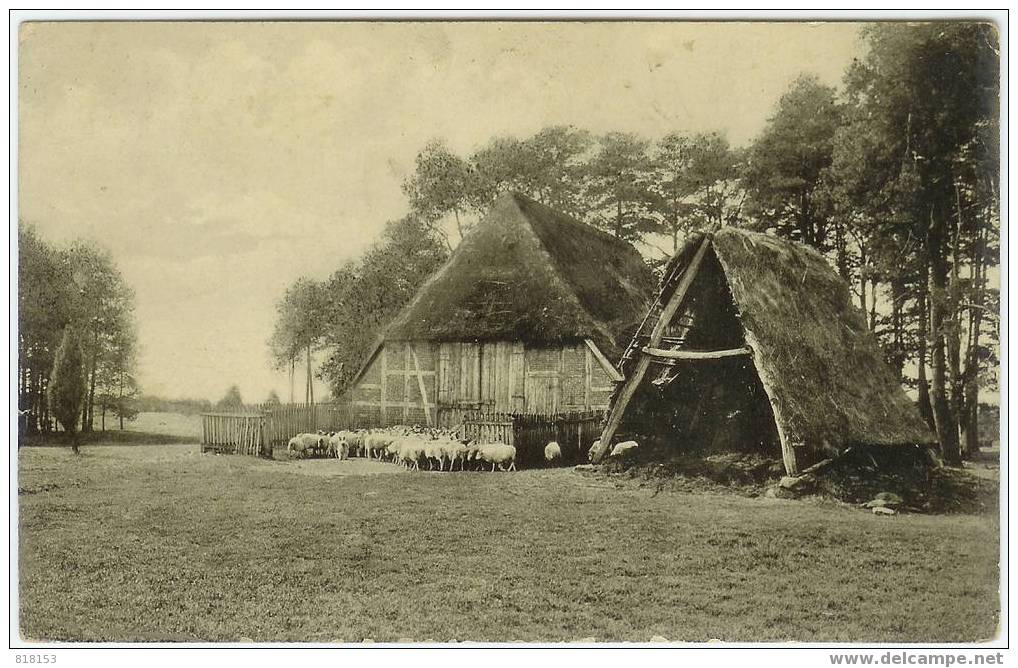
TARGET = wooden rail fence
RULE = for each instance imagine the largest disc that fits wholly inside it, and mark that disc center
(234, 433)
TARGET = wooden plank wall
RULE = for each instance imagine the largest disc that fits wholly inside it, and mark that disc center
(407, 383)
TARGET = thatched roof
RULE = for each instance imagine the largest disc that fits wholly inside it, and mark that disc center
(529, 273)
(819, 363)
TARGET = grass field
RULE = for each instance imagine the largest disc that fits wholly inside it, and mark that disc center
(162, 543)
(177, 426)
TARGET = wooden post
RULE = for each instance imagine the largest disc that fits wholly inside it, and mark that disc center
(627, 391)
(383, 417)
(420, 385)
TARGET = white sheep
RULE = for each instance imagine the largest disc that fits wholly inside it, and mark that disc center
(338, 446)
(410, 450)
(376, 443)
(354, 440)
(552, 452)
(625, 449)
(456, 450)
(295, 447)
(498, 454)
(301, 444)
(436, 450)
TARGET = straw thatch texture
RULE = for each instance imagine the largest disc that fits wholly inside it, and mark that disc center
(528, 273)
(820, 365)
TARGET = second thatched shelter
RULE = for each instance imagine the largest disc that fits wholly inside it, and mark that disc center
(754, 343)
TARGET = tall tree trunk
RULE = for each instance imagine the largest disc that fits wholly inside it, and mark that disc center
(47, 417)
(971, 374)
(943, 416)
(675, 228)
(459, 225)
(873, 305)
(41, 404)
(307, 385)
(103, 418)
(841, 250)
(897, 326)
(925, 406)
(293, 364)
(952, 331)
(120, 399)
(862, 288)
(89, 409)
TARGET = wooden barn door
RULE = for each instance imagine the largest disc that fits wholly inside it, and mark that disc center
(541, 387)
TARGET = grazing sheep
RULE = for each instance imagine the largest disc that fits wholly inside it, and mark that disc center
(302, 445)
(552, 452)
(498, 454)
(295, 448)
(473, 450)
(625, 449)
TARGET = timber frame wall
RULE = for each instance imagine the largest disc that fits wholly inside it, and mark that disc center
(425, 382)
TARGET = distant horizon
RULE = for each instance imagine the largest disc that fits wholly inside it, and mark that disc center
(221, 161)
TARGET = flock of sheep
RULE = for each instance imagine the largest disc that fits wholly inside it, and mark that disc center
(413, 446)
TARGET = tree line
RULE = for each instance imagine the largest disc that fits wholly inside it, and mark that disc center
(894, 178)
(74, 308)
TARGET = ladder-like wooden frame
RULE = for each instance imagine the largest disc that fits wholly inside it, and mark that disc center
(633, 379)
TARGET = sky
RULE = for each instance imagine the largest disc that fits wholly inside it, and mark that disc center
(219, 162)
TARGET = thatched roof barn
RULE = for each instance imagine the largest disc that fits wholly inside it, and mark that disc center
(761, 345)
(524, 317)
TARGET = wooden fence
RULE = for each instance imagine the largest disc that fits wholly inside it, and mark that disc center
(284, 421)
(234, 433)
(287, 420)
(529, 433)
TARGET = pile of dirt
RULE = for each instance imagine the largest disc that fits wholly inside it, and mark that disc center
(925, 489)
(857, 478)
(737, 473)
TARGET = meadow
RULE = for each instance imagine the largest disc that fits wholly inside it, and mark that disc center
(160, 542)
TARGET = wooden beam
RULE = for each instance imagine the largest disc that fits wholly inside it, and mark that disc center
(696, 354)
(608, 367)
(420, 385)
(628, 389)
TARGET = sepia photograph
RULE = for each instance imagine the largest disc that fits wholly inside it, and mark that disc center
(496, 333)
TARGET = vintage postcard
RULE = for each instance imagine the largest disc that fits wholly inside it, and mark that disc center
(471, 332)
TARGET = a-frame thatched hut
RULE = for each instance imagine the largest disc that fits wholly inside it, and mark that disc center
(754, 343)
(523, 318)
